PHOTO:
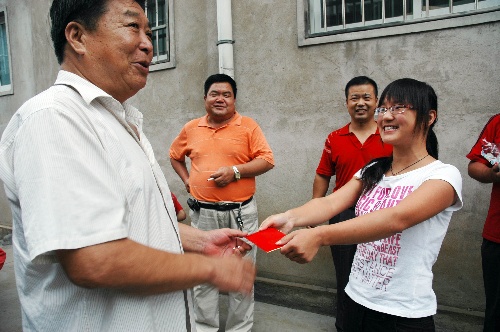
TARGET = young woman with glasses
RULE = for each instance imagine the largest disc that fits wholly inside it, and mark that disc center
(403, 204)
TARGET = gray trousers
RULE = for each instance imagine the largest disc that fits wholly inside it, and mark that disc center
(206, 297)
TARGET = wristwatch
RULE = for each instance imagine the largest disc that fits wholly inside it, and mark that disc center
(237, 174)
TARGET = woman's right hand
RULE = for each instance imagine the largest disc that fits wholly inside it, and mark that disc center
(280, 221)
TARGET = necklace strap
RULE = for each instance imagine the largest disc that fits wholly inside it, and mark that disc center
(409, 165)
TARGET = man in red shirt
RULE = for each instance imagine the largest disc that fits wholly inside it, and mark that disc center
(346, 151)
(179, 210)
(487, 171)
(3, 256)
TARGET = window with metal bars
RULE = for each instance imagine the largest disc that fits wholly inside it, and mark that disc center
(160, 20)
(329, 17)
(5, 72)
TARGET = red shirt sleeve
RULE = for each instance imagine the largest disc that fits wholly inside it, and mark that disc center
(178, 207)
(3, 256)
(491, 132)
(326, 166)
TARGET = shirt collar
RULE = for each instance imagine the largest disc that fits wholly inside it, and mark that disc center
(236, 120)
(345, 130)
(90, 92)
(85, 88)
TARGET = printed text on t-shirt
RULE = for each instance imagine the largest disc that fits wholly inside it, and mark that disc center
(375, 262)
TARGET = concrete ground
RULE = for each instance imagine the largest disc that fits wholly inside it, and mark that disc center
(280, 307)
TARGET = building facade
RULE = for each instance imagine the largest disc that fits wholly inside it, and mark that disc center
(291, 60)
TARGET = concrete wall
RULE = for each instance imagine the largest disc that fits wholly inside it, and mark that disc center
(34, 66)
(296, 94)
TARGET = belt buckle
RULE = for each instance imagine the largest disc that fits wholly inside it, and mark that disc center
(224, 205)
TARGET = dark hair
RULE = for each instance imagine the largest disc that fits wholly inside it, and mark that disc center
(422, 97)
(220, 78)
(86, 12)
(361, 80)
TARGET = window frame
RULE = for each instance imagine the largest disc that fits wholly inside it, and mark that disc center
(7, 89)
(170, 63)
(306, 38)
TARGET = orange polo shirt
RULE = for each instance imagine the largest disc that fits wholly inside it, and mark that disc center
(238, 142)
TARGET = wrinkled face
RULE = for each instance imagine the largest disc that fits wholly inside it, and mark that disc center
(361, 103)
(120, 50)
(219, 102)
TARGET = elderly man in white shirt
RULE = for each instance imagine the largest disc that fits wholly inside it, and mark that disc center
(96, 243)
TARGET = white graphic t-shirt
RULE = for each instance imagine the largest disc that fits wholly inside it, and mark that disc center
(394, 275)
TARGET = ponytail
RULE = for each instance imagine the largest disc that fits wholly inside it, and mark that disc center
(373, 172)
(431, 143)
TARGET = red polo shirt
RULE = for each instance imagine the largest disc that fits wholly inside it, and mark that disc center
(491, 133)
(344, 154)
(3, 256)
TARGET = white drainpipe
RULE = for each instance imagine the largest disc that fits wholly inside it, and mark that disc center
(225, 37)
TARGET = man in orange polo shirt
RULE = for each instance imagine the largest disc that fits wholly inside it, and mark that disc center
(227, 151)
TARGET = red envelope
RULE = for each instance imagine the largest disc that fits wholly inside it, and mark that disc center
(266, 239)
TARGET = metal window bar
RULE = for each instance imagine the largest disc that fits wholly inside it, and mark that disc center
(323, 9)
(344, 24)
(156, 32)
(363, 12)
(414, 8)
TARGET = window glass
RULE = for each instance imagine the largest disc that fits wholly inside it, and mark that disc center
(352, 11)
(394, 8)
(5, 74)
(157, 12)
(373, 10)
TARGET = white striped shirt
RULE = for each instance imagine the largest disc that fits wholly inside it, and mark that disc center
(76, 175)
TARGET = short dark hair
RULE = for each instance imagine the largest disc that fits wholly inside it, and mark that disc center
(220, 78)
(361, 80)
(86, 12)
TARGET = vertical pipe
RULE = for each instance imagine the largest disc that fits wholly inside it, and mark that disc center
(225, 37)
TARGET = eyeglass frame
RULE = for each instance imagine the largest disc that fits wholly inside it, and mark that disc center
(393, 110)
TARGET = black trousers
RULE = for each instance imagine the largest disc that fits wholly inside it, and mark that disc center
(361, 319)
(490, 254)
(343, 255)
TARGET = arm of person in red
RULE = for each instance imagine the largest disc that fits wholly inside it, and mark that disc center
(179, 210)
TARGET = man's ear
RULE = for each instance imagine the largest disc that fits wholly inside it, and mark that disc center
(75, 36)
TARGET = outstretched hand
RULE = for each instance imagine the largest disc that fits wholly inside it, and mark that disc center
(231, 272)
(225, 242)
(280, 221)
(301, 246)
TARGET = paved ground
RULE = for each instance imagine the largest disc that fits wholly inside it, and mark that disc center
(268, 317)
(280, 307)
